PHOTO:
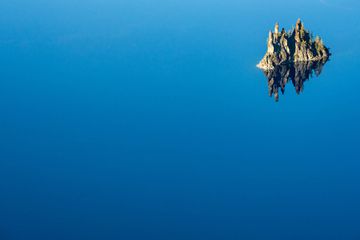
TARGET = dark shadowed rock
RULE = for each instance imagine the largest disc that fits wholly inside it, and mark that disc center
(296, 45)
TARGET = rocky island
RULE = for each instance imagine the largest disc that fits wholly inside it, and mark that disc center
(296, 45)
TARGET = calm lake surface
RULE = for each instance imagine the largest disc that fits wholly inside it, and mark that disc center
(149, 120)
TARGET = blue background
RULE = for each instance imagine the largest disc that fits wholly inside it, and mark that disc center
(149, 120)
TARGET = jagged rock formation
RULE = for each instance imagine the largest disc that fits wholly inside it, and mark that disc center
(297, 73)
(296, 45)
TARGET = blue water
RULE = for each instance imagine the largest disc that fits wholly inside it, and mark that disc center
(148, 120)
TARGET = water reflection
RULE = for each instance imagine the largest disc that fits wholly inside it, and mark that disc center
(298, 73)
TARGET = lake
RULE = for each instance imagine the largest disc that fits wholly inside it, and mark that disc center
(149, 120)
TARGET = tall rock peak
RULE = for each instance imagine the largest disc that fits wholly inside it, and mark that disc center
(276, 30)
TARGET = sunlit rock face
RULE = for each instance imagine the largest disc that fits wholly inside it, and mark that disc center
(296, 45)
(297, 73)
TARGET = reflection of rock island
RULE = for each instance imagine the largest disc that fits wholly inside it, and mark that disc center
(297, 73)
